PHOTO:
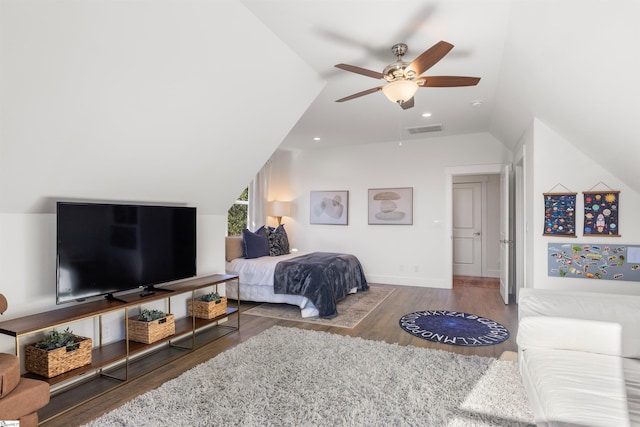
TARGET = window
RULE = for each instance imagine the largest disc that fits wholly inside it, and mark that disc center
(238, 214)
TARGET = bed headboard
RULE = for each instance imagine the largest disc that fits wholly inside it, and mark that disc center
(233, 247)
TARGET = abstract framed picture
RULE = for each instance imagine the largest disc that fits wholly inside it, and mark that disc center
(391, 206)
(329, 207)
(601, 210)
(560, 214)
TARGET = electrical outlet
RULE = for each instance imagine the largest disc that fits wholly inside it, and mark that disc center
(106, 332)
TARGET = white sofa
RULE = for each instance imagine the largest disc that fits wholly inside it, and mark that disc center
(579, 356)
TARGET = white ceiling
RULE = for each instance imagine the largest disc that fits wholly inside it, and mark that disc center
(325, 33)
(572, 64)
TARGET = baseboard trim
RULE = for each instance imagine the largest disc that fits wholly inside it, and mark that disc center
(407, 281)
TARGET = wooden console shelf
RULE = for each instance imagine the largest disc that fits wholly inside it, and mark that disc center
(116, 363)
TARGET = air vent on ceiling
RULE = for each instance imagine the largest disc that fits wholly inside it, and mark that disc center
(425, 129)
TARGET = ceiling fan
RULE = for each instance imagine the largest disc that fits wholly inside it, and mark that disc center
(403, 78)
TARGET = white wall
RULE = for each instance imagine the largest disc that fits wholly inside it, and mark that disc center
(138, 101)
(558, 161)
(549, 70)
(27, 262)
(131, 101)
(397, 254)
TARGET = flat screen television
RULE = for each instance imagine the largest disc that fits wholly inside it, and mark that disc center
(103, 249)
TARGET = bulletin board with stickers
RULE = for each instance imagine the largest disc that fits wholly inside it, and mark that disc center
(594, 261)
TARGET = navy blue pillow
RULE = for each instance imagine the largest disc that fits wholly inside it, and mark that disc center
(255, 245)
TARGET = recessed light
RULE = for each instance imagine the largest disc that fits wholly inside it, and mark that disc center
(426, 114)
(317, 138)
(477, 103)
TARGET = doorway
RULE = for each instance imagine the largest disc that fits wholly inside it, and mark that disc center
(465, 174)
(476, 225)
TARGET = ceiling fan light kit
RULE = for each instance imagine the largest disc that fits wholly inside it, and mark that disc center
(399, 91)
(403, 79)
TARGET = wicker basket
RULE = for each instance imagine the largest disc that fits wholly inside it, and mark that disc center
(50, 363)
(207, 309)
(149, 332)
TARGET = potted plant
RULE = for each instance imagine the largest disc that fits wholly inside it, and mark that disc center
(58, 353)
(207, 306)
(150, 326)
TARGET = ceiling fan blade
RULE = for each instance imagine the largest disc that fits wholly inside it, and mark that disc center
(363, 71)
(359, 94)
(430, 57)
(447, 81)
(409, 103)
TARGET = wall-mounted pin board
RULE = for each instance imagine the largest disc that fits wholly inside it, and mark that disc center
(594, 261)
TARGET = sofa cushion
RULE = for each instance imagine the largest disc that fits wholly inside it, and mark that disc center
(574, 387)
(29, 420)
(562, 333)
(631, 369)
(28, 396)
(621, 309)
(9, 373)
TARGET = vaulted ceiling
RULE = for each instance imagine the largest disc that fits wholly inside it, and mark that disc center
(162, 101)
(573, 64)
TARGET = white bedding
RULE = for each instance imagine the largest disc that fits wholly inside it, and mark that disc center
(256, 283)
(257, 271)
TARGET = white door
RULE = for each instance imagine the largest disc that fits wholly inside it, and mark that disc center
(505, 242)
(467, 229)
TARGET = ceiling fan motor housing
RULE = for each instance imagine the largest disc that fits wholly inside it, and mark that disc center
(398, 69)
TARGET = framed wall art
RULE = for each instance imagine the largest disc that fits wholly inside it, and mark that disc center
(560, 214)
(329, 207)
(601, 210)
(391, 206)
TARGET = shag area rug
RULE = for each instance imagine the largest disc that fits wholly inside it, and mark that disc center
(351, 310)
(294, 377)
(454, 327)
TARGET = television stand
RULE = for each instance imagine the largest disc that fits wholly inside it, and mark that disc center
(150, 290)
(122, 358)
(111, 297)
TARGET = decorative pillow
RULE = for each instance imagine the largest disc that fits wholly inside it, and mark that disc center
(278, 241)
(233, 247)
(256, 244)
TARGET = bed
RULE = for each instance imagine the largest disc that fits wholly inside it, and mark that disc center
(315, 281)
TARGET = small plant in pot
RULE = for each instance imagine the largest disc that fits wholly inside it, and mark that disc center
(58, 353)
(207, 306)
(150, 326)
(151, 315)
(210, 297)
(56, 339)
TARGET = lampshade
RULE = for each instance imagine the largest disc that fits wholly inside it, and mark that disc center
(279, 209)
(400, 90)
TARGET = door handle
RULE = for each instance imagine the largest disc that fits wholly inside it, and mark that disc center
(477, 233)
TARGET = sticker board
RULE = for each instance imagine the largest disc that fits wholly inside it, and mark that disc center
(594, 261)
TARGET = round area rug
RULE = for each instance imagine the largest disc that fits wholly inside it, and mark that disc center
(454, 327)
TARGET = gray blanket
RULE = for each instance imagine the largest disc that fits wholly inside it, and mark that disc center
(323, 277)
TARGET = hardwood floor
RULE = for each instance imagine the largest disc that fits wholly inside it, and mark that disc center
(471, 295)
